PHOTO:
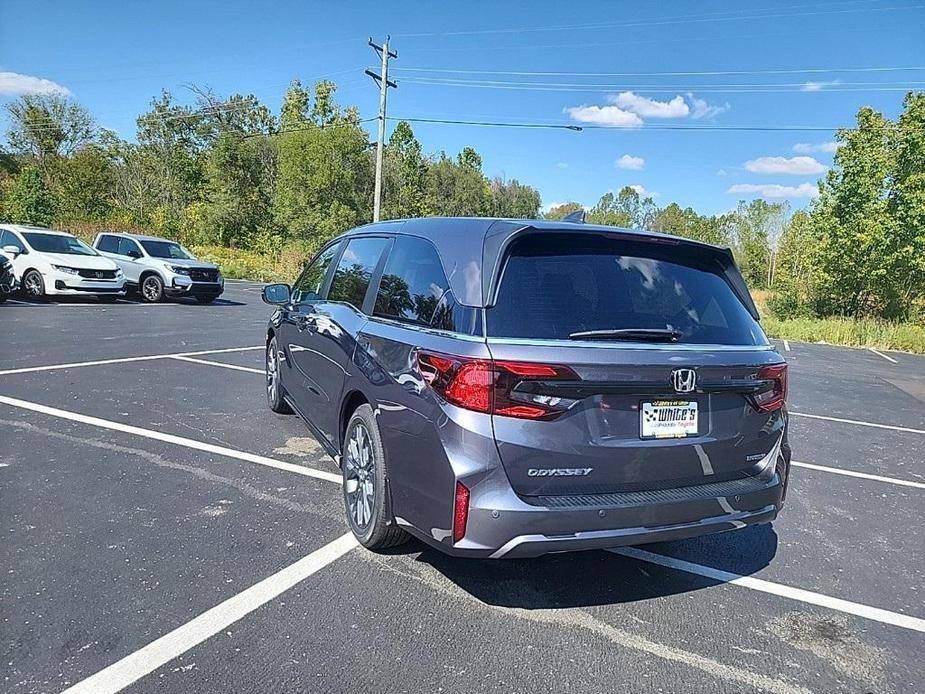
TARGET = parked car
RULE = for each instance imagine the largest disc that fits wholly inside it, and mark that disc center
(51, 263)
(502, 388)
(7, 278)
(156, 267)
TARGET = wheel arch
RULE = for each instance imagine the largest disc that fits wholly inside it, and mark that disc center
(351, 402)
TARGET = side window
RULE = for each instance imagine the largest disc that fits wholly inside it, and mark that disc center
(308, 286)
(10, 239)
(413, 282)
(351, 279)
(126, 245)
(108, 244)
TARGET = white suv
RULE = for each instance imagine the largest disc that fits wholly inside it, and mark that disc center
(47, 262)
(158, 267)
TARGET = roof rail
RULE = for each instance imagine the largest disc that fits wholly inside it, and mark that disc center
(578, 217)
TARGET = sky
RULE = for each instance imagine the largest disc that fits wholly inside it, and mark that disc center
(658, 88)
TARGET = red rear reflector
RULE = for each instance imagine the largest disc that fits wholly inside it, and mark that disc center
(460, 512)
(773, 399)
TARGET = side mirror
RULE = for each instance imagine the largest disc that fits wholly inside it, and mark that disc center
(276, 294)
(134, 255)
(12, 251)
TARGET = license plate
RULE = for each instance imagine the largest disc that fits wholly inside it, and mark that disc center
(668, 419)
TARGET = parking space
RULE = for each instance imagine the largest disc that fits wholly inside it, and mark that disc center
(165, 532)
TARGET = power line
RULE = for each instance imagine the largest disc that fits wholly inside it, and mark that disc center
(688, 73)
(688, 19)
(702, 88)
(647, 126)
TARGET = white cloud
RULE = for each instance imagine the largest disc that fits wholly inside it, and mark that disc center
(794, 166)
(810, 148)
(604, 115)
(817, 86)
(722, 172)
(650, 108)
(642, 192)
(773, 190)
(14, 84)
(562, 165)
(628, 161)
(701, 109)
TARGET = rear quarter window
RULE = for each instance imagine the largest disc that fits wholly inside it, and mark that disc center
(559, 284)
(413, 282)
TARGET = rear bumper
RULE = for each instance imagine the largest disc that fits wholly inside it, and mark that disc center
(502, 524)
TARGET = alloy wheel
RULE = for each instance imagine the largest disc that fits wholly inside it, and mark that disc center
(150, 289)
(32, 283)
(360, 476)
(272, 373)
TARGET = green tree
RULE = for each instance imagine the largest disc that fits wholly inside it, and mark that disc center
(405, 178)
(30, 201)
(514, 199)
(296, 103)
(324, 181)
(46, 127)
(563, 210)
(84, 184)
(757, 227)
(853, 222)
(458, 189)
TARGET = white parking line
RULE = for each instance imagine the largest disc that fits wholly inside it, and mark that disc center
(881, 354)
(170, 438)
(213, 621)
(806, 596)
(218, 363)
(860, 475)
(786, 346)
(893, 427)
(124, 360)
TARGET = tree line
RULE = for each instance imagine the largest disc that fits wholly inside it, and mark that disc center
(227, 171)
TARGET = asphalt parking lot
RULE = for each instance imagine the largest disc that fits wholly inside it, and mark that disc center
(164, 531)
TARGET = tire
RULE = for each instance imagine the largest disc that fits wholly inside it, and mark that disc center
(275, 391)
(33, 286)
(366, 499)
(205, 298)
(151, 289)
(3, 297)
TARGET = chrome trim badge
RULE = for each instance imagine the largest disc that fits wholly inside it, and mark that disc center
(684, 380)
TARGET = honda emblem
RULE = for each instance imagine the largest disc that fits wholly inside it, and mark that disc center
(684, 380)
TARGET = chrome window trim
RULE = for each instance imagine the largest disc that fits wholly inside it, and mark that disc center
(661, 347)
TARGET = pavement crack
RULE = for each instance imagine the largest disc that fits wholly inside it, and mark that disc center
(582, 619)
(245, 488)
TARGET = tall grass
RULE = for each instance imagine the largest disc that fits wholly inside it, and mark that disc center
(906, 337)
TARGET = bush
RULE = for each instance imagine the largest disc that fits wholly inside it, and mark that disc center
(906, 337)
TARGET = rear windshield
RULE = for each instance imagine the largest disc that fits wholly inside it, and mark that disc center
(556, 285)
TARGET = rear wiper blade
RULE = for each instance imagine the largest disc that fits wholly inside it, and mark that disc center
(630, 334)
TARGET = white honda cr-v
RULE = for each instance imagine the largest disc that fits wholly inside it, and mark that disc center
(47, 262)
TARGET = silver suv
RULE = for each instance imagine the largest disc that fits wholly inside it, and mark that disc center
(158, 267)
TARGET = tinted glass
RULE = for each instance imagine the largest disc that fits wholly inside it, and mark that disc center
(412, 283)
(126, 246)
(351, 279)
(308, 286)
(166, 249)
(58, 243)
(10, 239)
(555, 286)
(108, 244)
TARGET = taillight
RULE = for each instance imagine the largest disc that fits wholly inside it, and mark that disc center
(491, 386)
(460, 511)
(774, 397)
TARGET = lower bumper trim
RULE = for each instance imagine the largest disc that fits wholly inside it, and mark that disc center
(536, 545)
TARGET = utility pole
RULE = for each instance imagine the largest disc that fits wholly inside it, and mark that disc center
(383, 80)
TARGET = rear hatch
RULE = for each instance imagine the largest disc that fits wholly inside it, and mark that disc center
(628, 363)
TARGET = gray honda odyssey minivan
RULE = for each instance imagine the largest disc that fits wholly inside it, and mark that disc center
(508, 388)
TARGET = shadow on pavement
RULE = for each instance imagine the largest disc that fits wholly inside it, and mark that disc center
(586, 579)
